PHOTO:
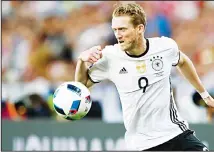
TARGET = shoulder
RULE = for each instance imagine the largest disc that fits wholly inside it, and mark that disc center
(110, 50)
(164, 42)
(170, 42)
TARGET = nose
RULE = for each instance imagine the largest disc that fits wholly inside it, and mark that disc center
(118, 35)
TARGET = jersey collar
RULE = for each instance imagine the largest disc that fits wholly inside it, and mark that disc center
(144, 53)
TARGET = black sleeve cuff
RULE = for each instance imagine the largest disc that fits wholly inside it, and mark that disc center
(91, 78)
(178, 60)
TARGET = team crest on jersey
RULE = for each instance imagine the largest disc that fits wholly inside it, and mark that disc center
(157, 63)
(141, 67)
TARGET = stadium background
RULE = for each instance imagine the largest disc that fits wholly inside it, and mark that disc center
(40, 44)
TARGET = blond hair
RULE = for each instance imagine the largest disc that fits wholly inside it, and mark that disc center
(133, 10)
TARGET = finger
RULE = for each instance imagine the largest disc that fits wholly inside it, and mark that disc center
(100, 54)
(98, 47)
(93, 59)
(96, 55)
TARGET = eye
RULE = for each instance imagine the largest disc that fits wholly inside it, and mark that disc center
(122, 29)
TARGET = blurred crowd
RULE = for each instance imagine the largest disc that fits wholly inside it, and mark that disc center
(41, 41)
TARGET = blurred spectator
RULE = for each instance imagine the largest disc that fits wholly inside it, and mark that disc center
(8, 111)
(7, 46)
(38, 107)
(33, 106)
(157, 22)
(199, 102)
(188, 10)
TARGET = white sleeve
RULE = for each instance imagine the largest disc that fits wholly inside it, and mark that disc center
(174, 53)
(99, 70)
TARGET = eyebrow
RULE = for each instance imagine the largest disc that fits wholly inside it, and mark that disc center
(119, 28)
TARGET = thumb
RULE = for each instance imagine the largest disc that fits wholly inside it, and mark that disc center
(99, 48)
(99, 51)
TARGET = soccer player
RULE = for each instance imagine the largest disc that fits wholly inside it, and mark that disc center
(140, 68)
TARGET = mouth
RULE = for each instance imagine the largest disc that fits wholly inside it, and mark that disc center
(121, 42)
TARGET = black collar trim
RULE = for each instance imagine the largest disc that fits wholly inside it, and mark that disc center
(144, 53)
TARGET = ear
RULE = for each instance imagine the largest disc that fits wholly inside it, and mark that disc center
(141, 28)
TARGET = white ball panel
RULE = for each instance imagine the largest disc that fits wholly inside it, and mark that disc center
(64, 98)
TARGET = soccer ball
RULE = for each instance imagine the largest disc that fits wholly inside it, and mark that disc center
(71, 100)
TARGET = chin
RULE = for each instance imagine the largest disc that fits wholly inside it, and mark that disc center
(123, 47)
(126, 48)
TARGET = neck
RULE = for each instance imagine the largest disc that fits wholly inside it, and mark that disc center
(139, 48)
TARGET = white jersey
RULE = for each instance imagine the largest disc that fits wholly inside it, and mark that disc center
(143, 82)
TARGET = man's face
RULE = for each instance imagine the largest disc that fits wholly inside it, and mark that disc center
(125, 32)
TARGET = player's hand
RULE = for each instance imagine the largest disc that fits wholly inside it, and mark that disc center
(91, 55)
(209, 101)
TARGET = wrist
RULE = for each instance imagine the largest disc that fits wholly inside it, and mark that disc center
(80, 58)
(204, 94)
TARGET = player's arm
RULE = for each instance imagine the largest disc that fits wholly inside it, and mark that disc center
(91, 55)
(81, 73)
(186, 67)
